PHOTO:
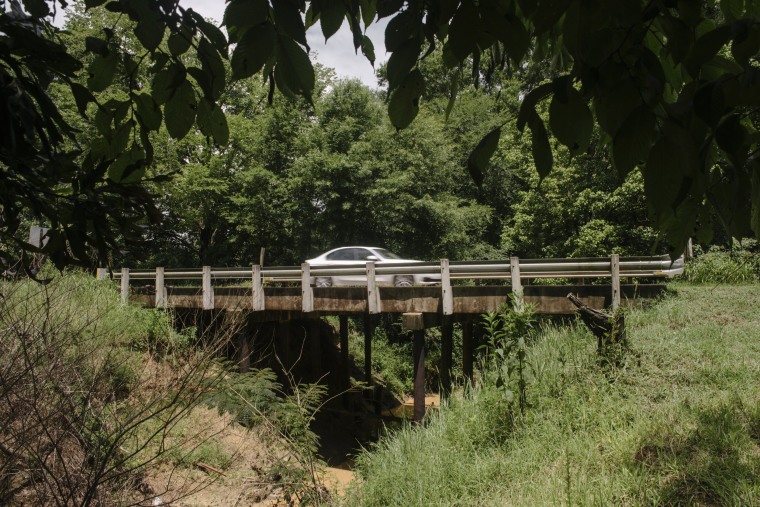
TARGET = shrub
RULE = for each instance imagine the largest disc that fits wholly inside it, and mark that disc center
(740, 265)
(75, 395)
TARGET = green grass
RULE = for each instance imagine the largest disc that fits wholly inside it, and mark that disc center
(679, 424)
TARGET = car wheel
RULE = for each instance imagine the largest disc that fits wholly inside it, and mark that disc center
(323, 281)
(403, 281)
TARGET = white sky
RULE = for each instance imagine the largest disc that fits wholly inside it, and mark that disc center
(338, 53)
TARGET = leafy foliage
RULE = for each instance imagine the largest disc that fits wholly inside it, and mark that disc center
(504, 354)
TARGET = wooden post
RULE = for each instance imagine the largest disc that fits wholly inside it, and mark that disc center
(160, 288)
(447, 296)
(373, 295)
(261, 256)
(345, 377)
(467, 349)
(517, 291)
(124, 286)
(208, 290)
(307, 296)
(258, 299)
(418, 351)
(368, 329)
(615, 269)
(315, 349)
(447, 351)
(101, 274)
(688, 253)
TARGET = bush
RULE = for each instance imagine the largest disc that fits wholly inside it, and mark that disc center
(739, 265)
(75, 395)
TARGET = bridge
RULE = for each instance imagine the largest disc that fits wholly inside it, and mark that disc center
(466, 289)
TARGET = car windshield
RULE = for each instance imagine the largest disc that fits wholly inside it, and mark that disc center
(386, 254)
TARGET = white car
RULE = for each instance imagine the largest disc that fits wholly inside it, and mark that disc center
(358, 256)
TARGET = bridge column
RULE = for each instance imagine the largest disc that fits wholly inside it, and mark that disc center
(418, 351)
(416, 323)
(467, 349)
(368, 331)
(345, 377)
(447, 346)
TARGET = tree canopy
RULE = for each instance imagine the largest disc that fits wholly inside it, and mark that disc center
(667, 87)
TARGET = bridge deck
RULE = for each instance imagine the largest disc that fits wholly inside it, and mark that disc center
(353, 300)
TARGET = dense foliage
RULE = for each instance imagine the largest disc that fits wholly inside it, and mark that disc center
(668, 87)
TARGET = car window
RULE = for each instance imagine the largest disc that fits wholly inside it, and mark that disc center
(363, 253)
(387, 254)
(344, 254)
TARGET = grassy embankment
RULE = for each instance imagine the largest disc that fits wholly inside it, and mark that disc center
(679, 424)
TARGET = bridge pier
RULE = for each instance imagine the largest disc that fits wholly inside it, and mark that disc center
(447, 352)
(467, 349)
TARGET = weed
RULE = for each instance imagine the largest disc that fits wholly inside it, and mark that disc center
(504, 354)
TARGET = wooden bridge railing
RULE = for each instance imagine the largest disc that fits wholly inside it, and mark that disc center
(515, 269)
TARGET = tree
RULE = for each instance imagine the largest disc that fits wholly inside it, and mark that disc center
(672, 87)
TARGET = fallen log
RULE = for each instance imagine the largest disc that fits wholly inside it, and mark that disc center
(609, 329)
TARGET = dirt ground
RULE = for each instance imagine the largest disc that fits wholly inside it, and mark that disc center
(237, 473)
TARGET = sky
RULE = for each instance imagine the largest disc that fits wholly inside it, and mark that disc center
(338, 53)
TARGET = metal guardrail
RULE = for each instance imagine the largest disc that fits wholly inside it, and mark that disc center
(514, 269)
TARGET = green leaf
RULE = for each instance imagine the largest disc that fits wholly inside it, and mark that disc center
(480, 156)
(401, 62)
(663, 175)
(179, 42)
(405, 101)
(213, 67)
(96, 45)
(454, 83)
(633, 140)
(528, 105)
(82, 97)
(295, 67)
(240, 15)
(253, 51)
(128, 168)
(746, 44)
(37, 8)
(731, 135)
(464, 31)
(148, 111)
(369, 11)
(399, 29)
(180, 111)
(614, 107)
(288, 20)
(705, 48)
(732, 9)
(166, 81)
(571, 121)
(101, 72)
(387, 7)
(542, 151)
(331, 17)
(149, 30)
(212, 122)
(120, 139)
(214, 35)
(368, 49)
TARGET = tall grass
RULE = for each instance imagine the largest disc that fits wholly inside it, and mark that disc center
(677, 424)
